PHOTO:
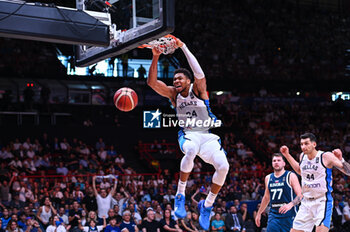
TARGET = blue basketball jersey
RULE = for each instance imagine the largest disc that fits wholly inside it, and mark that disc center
(281, 193)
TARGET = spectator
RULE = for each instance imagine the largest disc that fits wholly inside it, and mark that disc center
(135, 215)
(12, 226)
(149, 224)
(337, 216)
(120, 200)
(120, 160)
(112, 152)
(111, 214)
(346, 211)
(125, 65)
(22, 221)
(83, 219)
(218, 224)
(167, 223)
(159, 213)
(45, 212)
(64, 145)
(61, 169)
(195, 222)
(186, 223)
(141, 71)
(103, 201)
(112, 227)
(102, 153)
(63, 216)
(56, 225)
(100, 144)
(16, 144)
(5, 218)
(244, 212)
(75, 216)
(93, 226)
(169, 196)
(5, 191)
(92, 216)
(127, 224)
(89, 202)
(77, 194)
(56, 147)
(32, 225)
(234, 220)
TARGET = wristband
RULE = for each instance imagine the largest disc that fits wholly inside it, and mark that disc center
(183, 47)
(342, 160)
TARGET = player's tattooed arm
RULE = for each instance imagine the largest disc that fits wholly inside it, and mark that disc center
(297, 200)
(346, 168)
(284, 209)
(339, 162)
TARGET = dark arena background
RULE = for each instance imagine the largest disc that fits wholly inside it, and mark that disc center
(275, 69)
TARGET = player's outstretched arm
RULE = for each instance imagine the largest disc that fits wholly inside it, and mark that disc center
(200, 83)
(295, 165)
(294, 182)
(159, 86)
(335, 159)
(264, 202)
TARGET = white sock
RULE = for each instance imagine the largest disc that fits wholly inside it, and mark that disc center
(209, 201)
(181, 187)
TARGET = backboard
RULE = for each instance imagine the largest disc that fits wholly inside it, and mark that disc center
(132, 23)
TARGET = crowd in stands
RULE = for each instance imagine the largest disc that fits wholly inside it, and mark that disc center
(272, 39)
(93, 173)
(49, 183)
(256, 126)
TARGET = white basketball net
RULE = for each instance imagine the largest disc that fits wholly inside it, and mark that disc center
(166, 45)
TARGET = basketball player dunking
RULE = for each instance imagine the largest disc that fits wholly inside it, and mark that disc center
(315, 168)
(192, 103)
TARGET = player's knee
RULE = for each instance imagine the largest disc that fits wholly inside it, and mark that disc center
(221, 164)
(190, 149)
(223, 168)
(221, 173)
(187, 163)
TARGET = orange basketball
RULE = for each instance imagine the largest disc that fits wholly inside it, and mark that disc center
(125, 99)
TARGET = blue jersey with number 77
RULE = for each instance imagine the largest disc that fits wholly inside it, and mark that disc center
(281, 193)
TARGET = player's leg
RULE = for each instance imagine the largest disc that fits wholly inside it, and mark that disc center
(212, 152)
(304, 220)
(190, 147)
(284, 224)
(278, 224)
(323, 210)
(220, 163)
